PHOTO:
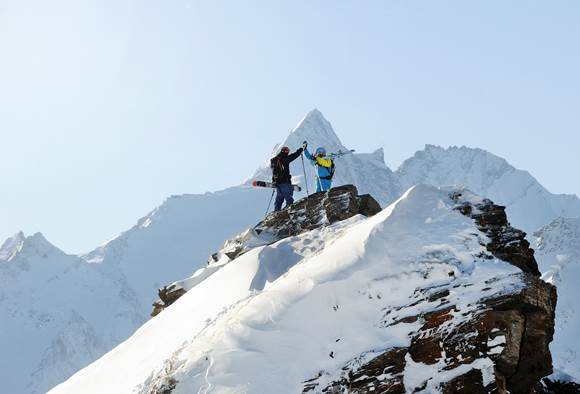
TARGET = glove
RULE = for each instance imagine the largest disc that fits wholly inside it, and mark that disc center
(304, 145)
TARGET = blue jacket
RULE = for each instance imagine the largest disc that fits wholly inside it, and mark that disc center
(324, 165)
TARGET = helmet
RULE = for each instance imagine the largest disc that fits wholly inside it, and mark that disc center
(285, 150)
(320, 152)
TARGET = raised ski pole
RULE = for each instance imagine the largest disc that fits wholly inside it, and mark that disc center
(270, 203)
(304, 169)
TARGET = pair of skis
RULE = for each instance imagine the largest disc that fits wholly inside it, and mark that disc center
(271, 185)
(340, 153)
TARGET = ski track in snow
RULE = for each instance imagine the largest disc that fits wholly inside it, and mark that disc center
(208, 386)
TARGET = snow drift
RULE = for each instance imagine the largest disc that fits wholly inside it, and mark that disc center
(290, 316)
(175, 239)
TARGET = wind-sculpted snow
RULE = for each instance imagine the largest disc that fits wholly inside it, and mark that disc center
(558, 253)
(276, 316)
(175, 240)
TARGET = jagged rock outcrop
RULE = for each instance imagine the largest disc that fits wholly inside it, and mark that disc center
(320, 209)
(558, 387)
(506, 243)
(498, 344)
(508, 334)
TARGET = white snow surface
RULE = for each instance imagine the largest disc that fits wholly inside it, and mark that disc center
(175, 239)
(557, 248)
(58, 313)
(529, 204)
(268, 320)
(46, 330)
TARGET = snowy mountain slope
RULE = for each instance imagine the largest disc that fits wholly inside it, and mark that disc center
(320, 209)
(529, 204)
(168, 244)
(557, 248)
(278, 315)
(175, 239)
(56, 313)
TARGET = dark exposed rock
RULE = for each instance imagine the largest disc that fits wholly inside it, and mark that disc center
(369, 378)
(558, 387)
(166, 388)
(339, 203)
(507, 243)
(512, 329)
(319, 209)
(469, 383)
(167, 296)
(158, 307)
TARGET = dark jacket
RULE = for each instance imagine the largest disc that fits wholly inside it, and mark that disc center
(281, 167)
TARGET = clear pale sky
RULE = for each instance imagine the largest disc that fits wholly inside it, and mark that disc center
(109, 106)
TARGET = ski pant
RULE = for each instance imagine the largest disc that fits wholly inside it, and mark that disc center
(284, 191)
(323, 185)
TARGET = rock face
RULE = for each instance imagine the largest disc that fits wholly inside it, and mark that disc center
(510, 332)
(506, 243)
(320, 209)
(507, 333)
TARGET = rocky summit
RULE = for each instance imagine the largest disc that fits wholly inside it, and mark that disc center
(319, 209)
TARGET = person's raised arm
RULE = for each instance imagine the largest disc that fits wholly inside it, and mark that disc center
(306, 153)
(294, 155)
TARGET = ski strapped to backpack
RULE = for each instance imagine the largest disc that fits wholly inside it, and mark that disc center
(341, 153)
(272, 185)
(332, 168)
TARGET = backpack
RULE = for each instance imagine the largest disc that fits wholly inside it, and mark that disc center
(331, 170)
(277, 166)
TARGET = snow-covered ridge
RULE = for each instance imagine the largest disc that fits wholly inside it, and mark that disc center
(58, 313)
(557, 248)
(315, 302)
(175, 239)
(319, 210)
(528, 203)
(12, 246)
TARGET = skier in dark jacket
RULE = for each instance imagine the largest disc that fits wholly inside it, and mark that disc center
(281, 176)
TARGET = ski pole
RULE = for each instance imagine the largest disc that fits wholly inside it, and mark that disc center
(270, 203)
(305, 179)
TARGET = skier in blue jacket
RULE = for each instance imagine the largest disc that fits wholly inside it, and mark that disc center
(324, 167)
